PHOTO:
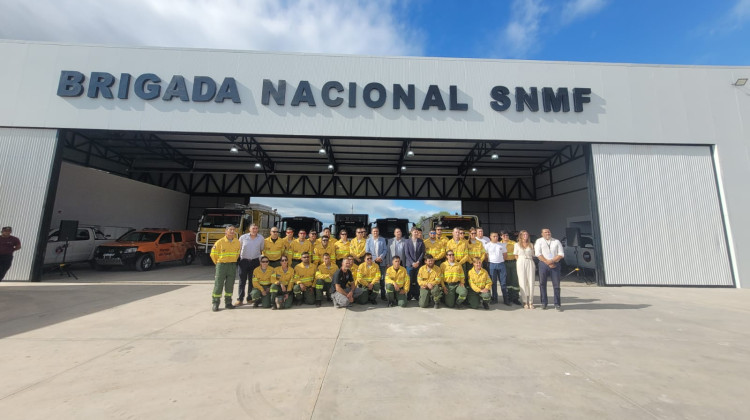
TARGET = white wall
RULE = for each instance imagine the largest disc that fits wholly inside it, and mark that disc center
(551, 213)
(25, 168)
(98, 198)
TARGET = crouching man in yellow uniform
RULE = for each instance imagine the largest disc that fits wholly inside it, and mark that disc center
(281, 289)
(368, 279)
(430, 281)
(263, 277)
(323, 278)
(304, 277)
(480, 283)
(396, 284)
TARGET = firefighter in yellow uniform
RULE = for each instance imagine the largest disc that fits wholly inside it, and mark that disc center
(460, 249)
(357, 248)
(323, 278)
(342, 247)
(368, 278)
(263, 278)
(430, 280)
(332, 240)
(475, 247)
(300, 245)
(481, 285)
(281, 289)
(396, 283)
(454, 281)
(274, 248)
(288, 239)
(514, 289)
(324, 246)
(224, 254)
(435, 246)
(304, 278)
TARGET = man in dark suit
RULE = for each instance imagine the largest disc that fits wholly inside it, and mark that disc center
(376, 246)
(414, 252)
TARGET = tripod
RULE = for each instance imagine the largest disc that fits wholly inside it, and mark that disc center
(63, 268)
(577, 269)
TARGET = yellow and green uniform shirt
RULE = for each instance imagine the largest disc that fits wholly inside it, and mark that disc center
(274, 250)
(299, 247)
(460, 250)
(479, 281)
(357, 249)
(368, 275)
(263, 279)
(452, 273)
(436, 249)
(326, 273)
(476, 250)
(225, 251)
(288, 247)
(342, 249)
(511, 248)
(304, 275)
(284, 279)
(319, 251)
(427, 275)
(399, 278)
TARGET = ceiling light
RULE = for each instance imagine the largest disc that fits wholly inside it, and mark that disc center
(495, 156)
(234, 149)
(473, 169)
(403, 168)
(258, 165)
(330, 166)
(410, 153)
(740, 82)
(322, 151)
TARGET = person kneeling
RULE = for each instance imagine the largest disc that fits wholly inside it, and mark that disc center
(263, 277)
(396, 284)
(368, 279)
(480, 283)
(343, 282)
(430, 281)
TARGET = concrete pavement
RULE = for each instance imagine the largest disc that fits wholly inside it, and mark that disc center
(146, 345)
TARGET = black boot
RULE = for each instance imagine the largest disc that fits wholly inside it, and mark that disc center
(228, 303)
(215, 306)
(506, 298)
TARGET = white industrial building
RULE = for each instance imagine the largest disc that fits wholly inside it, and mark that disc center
(652, 159)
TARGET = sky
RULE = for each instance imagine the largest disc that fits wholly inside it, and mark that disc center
(685, 32)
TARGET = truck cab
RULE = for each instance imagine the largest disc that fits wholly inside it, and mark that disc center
(301, 222)
(350, 223)
(388, 225)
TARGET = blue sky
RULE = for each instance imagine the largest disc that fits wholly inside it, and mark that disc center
(684, 32)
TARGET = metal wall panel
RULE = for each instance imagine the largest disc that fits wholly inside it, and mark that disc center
(26, 158)
(659, 216)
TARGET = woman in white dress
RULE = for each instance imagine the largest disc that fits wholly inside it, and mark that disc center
(524, 252)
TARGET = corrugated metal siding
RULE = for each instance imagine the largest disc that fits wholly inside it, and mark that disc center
(25, 164)
(660, 217)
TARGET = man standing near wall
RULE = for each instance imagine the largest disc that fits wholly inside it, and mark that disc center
(379, 249)
(8, 245)
(224, 254)
(549, 251)
(414, 252)
(514, 289)
(251, 248)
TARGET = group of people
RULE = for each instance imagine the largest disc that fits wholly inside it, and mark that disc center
(280, 272)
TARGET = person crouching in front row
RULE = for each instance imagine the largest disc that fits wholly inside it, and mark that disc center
(396, 284)
(343, 281)
(481, 285)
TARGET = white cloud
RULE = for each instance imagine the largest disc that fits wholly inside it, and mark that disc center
(522, 32)
(741, 10)
(578, 9)
(321, 26)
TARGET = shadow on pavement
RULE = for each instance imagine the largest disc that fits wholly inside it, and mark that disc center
(26, 308)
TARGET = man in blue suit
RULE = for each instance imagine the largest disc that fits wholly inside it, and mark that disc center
(377, 246)
(414, 252)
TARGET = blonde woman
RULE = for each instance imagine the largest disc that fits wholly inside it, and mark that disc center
(524, 252)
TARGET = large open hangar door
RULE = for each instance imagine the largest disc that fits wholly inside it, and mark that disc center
(508, 184)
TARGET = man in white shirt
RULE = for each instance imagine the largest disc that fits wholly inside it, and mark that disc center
(496, 253)
(549, 251)
(252, 246)
(480, 236)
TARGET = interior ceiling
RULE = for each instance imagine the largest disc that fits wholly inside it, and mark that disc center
(175, 152)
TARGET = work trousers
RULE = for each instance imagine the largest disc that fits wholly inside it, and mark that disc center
(322, 287)
(257, 296)
(498, 275)
(456, 294)
(279, 298)
(427, 296)
(394, 297)
(369, 296)
(308, 296)
(224, 280)
(549, 273)
(474, 298)
(413, 284)
(513, 282)
(5, 262)
(382, 281)
(246, 273)
(340, 300)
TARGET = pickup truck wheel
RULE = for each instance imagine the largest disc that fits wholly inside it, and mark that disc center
(144, 263)
(188, 258)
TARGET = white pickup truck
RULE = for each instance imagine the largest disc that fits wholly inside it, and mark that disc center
(583, 256)
(79, 250)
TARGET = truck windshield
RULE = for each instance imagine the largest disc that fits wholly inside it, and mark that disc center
(220, 220)
(461, 223)
(387, 227)
(139, 237)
